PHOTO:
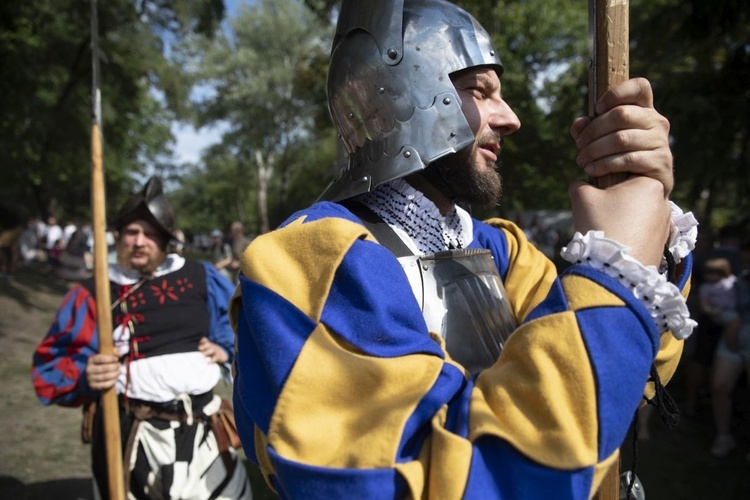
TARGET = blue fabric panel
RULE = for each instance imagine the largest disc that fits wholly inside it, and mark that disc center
(554, 303)
(220, 291)
(245, 425)
(309, 482)
(499, 472)
(271, 331)
(418, 426)
(457, 421)
(618, 351)
(687, 268)
(371, 305)
(493, 239)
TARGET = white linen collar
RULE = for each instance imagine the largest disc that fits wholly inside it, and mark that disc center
(172, 263)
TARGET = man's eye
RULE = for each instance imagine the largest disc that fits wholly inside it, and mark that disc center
(479, 94)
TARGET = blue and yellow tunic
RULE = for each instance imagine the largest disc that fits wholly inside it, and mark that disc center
(341, 390)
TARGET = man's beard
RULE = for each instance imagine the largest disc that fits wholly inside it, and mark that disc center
(470, 181)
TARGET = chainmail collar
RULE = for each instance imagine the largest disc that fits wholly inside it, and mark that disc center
(416, 217)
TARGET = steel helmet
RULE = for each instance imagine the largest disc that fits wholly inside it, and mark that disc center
(151, 205)
(389, 89)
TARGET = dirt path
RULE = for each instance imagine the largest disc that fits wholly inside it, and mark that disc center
(41, 454)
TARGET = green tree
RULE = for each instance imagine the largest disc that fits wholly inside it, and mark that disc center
(697, 55)
(258, 75)
(543, 45)
(45, 91)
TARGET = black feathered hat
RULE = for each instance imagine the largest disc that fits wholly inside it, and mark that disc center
(151, 205)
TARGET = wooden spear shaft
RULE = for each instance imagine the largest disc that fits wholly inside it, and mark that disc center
(609, 58)
(108, 402)
(609, 31)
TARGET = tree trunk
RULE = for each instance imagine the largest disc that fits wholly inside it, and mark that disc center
(265, 168)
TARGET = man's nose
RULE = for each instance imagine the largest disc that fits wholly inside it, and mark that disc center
(504, 119)
(139, 238)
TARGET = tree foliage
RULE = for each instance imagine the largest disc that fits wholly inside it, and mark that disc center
(697, 55)
(261, 78)
(45, 95)
(264, 76)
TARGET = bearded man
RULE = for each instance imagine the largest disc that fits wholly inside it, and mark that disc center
(173, 340)
(392, 346)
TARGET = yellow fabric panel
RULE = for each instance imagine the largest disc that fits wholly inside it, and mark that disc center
(601, 469)
(530, 274)
(451, 460)
(540, 396)
(582, 293)
(266, 466)
(416, 471)
(667, 359)
(305, 258)
(449, 463)
(670, 352)
(338, 402)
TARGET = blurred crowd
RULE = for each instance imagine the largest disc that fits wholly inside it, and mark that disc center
(67, 248)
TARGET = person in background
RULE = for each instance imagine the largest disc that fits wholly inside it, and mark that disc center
(68, 232)
(239, 242)
(177, 245)
(54, 241)
(29, 243)
(173, 342)
(11, 229)
(221, 254)
(389, 345)
(726, 299)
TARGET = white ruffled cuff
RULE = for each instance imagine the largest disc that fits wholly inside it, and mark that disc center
(683, 234)
(664, 302)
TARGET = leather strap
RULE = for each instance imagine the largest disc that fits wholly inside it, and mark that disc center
(382, 232)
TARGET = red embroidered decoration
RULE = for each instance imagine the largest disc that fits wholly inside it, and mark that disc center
(184, 284)
(164, 291)
(136, 299)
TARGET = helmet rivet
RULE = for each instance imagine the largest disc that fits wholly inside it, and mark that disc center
(365, 178)
(392, 53)
(351, 115)
(492, 53)
(407, 154)
(381, 90)
(447, 101)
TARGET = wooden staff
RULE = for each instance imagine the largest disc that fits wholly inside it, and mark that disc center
(609, 63)
(108, 404)
(609, 58)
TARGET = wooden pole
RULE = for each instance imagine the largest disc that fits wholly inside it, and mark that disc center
(609, 58)
(609, 31)
(109, 406)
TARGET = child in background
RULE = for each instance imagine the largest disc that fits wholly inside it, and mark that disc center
(717, 291)
(719, 301)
